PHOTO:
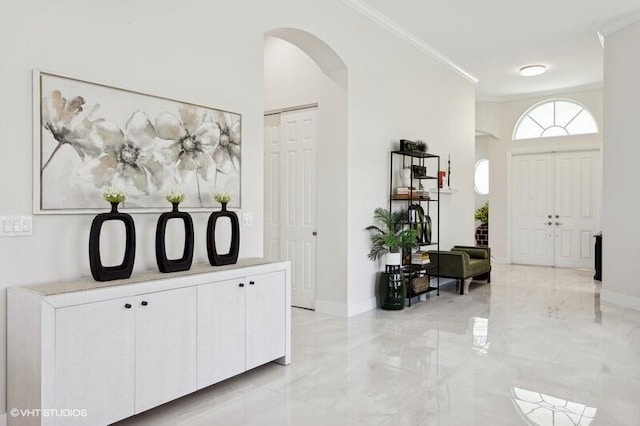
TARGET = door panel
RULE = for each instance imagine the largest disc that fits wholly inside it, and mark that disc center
(265, 316)
(165, 346)
(221, 331)
(95, 361)
(577, 195)
(532, 204)
(293, 231)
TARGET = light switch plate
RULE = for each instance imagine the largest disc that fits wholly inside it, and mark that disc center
(247, 219)
(16, 226)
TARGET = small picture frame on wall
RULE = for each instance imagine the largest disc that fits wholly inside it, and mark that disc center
(89, 135)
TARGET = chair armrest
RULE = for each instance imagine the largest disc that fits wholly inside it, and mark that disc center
(451, 263)
(481, 252)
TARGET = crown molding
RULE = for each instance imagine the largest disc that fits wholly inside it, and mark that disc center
(386, 23)
(541, 94)
(617, 25)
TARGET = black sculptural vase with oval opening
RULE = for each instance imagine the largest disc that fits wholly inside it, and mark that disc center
(216, 258)
(174, 265)
(124, 270)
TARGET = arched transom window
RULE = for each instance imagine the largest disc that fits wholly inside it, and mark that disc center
(555, 117)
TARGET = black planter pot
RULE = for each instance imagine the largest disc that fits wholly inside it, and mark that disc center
(392, 290)
(183, 263)
(215, 258)
(122, 271)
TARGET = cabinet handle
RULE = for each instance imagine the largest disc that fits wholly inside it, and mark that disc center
(144, 303)
(252, 282)
(127, 306)
(241, 284)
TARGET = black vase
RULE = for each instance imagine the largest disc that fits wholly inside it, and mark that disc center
(122, 271)
(215, 258)
(392, 291)
(183, 263)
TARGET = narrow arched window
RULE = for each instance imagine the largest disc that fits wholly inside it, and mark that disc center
(555, 117)
(481, 177)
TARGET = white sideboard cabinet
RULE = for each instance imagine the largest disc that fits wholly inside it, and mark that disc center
(106, 351)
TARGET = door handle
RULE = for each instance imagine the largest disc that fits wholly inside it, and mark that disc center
(558, 223)
(314, 233)
(549, 216)
(548, 223)
(557, 217)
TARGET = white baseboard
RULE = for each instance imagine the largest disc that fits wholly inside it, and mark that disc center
(501, 260)
(331, 308)
(361, 307)
(620, 299)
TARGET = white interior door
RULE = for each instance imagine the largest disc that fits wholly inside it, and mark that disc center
(555, 202)
(532, 209)
(576, 209)
(290, 198)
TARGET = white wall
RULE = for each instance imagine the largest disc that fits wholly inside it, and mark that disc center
(291, 78)
(620, 269)
(499, 118)
(211, 53)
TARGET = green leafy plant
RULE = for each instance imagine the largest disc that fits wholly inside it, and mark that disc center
(113, 194)
(222, 197)
(175, 196)
(482, 214)
(392, 235)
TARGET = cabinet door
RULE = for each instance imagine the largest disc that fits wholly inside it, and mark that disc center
(221, 331)
(165, 346)
(94, 366)
(266, 316)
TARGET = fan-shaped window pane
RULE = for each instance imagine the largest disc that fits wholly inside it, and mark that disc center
(554, 131)
(582, 124)
(543, 115)
(566, 111)
(528, 129)
(481, 177)
(556, 117)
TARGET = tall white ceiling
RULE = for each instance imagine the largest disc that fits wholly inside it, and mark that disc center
(493, 39)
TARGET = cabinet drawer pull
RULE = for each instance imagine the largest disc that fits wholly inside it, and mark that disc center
(252, 282)
(144, 303)
(127, 306)
(241, 284)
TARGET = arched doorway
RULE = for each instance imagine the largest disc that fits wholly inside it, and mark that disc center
(305, 165)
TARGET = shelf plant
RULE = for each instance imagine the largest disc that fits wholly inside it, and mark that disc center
(482, 214)
(391, 235)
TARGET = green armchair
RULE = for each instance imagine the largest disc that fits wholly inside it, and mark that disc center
(461, 263)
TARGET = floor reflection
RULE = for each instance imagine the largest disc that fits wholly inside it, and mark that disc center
(545, 410)
(481, 335)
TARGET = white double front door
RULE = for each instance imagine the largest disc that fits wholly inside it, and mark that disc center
(555, 208)
(290, 198)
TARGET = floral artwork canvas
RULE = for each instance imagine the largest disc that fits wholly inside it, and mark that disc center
(89, 136)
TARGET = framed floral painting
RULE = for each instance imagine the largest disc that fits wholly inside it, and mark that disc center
(88, 136)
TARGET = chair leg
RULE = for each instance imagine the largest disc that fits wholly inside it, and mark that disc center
(489, 277)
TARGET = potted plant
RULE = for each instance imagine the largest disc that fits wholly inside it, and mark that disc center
(482, 231)
(392, 236)
(389, 239)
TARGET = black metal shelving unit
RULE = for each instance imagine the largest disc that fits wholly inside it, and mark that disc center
(423, 159)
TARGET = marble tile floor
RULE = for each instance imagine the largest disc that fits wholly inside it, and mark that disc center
(534, 347)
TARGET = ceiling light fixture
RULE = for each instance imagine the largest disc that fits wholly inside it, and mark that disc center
(531, 70)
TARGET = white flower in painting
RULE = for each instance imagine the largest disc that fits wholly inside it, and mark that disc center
(128, 158)
(227, 152)
(192, 138)
(69, 124)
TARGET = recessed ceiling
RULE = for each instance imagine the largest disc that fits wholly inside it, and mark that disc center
(493, 39)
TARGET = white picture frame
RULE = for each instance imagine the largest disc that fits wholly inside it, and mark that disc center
(90, 135)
